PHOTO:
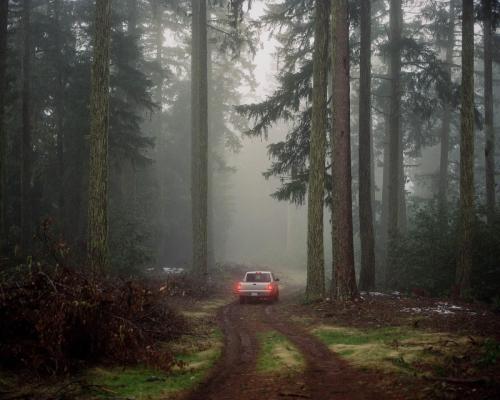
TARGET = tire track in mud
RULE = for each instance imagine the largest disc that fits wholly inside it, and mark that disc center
(326, 376)
(237, 361)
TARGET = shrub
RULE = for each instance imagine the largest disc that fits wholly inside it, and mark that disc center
(426, 256)
(55, 319)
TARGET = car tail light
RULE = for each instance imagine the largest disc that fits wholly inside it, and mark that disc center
(269, 287)
(238, 287)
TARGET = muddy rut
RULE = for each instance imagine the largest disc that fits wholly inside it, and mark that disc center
(325, 377)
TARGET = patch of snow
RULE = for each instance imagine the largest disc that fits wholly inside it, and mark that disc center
(441, 307)
(173, 270)
(412, 309)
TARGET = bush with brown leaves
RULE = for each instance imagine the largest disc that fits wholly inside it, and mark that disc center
(56, 319)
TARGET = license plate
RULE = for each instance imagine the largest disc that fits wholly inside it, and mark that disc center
(254, 294)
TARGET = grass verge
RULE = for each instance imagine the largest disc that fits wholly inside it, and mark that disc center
(394, 349)
(196, 355)
(277, 354)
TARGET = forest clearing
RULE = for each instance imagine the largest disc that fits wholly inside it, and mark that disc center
(164, 164)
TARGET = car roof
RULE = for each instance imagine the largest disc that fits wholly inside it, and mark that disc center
(259, 272)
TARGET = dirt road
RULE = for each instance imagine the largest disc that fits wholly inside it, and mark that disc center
(325, 377)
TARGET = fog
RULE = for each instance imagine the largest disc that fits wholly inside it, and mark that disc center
(149, 168)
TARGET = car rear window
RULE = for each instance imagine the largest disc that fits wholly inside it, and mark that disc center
(254, 277)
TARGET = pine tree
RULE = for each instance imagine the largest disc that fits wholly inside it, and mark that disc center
(59, 108)
(489, 150)
(315, 251)
(4, 13)
(99, 115)
(344, 279)
(464, 264)
(445, 124)
(199, 138)
(26, 147)
(395, 140)
(367, 274)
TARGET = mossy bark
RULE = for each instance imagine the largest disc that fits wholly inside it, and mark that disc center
(445, 126)
(367, 273)
(489, 149)
(4, 12)
(26, 148)
(99, 118)
(315, 287)
(464, 265)
(395, 150)
(59, 111)
(199, 138)
(344, 281)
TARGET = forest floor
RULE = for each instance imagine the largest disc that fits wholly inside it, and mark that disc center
(384, 346)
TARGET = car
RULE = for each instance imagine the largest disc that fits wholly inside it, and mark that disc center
(261, 285)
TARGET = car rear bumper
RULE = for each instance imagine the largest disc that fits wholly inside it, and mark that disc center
(256, 293)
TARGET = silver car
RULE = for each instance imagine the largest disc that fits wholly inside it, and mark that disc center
(258, 285)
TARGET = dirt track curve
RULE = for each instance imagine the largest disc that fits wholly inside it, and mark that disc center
(234, 377)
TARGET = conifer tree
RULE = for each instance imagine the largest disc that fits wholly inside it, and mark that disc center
(99, 118)
(4, 13)
(395, 139)
(446, 122)
(26, 147)
(489, 150)
(315, 251)
(199, 138)
(343, 275)
(464, 262)
(367, 273)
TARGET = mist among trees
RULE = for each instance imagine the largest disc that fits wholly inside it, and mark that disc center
(351, 143)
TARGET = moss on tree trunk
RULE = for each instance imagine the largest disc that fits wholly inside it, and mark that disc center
(367, 273)
(344, 279)
(464, 264)
(99, 116)
(315, 250)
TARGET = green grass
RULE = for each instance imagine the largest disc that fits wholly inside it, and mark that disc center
(402, 349)
(142, 383)
(358, 337)
(389, 348)
(277, 353)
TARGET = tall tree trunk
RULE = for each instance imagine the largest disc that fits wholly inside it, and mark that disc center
(489, 150)
(344, 287)
(464, 264)
(315, 251)
(199, 138)
(99, 117)
(59, 111)
(384, 218)
(26, 148)
(367, 274)
(156, 9)
(394, 133)
(211, 149)
(4, 13)
(445, 126)
(157, 15)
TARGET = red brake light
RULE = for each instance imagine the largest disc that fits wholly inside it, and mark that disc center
(238, 287)
(269, 287)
